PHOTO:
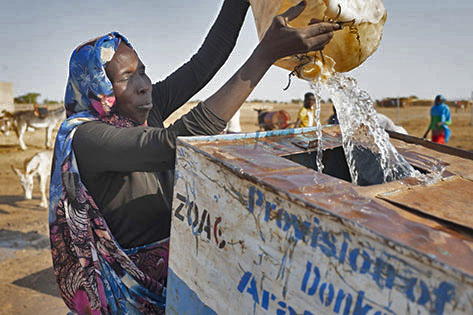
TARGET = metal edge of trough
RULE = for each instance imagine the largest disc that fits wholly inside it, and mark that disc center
(187, 142)
(442, 148)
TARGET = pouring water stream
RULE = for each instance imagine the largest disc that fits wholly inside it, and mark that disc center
(360, 129)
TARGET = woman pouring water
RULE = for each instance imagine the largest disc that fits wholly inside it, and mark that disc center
(113, 169)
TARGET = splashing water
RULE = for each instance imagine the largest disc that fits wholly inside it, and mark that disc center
(436, 176)
(317, 88)
(362, 136)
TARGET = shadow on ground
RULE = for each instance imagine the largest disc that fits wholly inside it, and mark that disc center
(22, 240)
(15, 147)
(42, 281)
(10, 199)
(20, 202)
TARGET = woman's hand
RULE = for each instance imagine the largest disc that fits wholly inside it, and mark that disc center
(282, 40)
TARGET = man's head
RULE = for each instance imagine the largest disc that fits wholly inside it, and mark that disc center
(439, 99)
(309, 100)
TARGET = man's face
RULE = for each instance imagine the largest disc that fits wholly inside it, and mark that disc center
(131, 85)
(309, 101)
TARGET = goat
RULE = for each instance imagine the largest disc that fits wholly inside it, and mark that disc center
(39, 165)
(23, 120)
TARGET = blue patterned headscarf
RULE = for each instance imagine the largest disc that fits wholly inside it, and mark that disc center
(88, 87)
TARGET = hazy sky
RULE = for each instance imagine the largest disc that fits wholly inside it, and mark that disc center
(427, 47)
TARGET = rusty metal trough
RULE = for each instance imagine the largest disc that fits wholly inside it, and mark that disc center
(255, 229)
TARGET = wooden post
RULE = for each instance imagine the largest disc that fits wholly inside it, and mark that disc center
(471, 122)
(398, 111)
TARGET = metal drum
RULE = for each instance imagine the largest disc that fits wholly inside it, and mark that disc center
(273, 120)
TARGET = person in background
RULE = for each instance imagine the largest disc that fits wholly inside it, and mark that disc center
(384, 121)
(233, 125)
(333, 119)
(387, 124)
(112, 176)
(305, 117)
(439, 121)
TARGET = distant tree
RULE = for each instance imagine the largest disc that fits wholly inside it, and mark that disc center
(413, 97)
(296, 100)
(49, 102)
(29, 98)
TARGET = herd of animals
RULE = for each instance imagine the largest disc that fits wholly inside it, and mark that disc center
(39, 165)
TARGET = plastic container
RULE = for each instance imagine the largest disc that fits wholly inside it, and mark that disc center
(350, 47)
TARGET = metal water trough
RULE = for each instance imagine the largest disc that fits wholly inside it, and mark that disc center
(255, 229)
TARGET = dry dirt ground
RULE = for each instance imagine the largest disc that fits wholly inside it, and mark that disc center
(27, 284)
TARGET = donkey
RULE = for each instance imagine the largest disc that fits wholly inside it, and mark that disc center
(6, 123)
(23, 120)
(39, 165)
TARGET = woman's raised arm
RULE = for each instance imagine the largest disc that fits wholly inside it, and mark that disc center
(185, 82)
(280, 40)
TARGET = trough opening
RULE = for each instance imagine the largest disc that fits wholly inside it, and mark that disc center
(335, 164)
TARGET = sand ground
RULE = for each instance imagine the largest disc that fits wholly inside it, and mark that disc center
(27, 283)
